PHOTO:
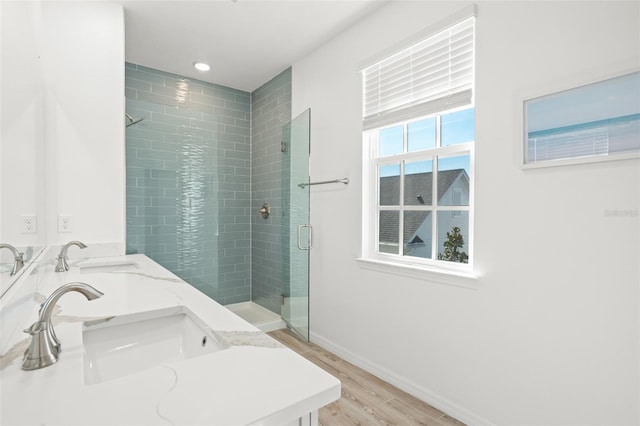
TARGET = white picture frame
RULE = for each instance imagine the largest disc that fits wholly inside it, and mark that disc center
(589, 122)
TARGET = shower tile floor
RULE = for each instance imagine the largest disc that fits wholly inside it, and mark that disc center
(366, 399)
(261, 317)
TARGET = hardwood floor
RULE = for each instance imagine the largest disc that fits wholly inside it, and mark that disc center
(366, 399)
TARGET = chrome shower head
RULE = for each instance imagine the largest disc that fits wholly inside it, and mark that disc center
(132, 121)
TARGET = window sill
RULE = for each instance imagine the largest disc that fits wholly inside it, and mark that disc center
(438, 276)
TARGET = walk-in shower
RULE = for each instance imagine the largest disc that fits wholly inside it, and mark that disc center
(211, 196)
(290, 267)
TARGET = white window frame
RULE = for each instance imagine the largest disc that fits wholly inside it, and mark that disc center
(438, 271)
(371, 207)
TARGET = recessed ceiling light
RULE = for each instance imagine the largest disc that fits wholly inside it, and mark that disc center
(201, 66)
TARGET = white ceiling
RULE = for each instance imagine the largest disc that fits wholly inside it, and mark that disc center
(246, 42)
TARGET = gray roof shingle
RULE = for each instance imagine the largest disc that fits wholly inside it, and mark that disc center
(417, 191)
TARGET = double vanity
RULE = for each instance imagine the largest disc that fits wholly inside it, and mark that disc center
(147, 348)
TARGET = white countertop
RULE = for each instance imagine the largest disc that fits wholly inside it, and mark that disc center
(254, 381)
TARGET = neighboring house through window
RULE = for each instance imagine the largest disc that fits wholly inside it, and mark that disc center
(419, 137)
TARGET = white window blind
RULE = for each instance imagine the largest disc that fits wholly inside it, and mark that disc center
(432, 75)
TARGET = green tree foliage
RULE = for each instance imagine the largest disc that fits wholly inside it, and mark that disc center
(452, 253)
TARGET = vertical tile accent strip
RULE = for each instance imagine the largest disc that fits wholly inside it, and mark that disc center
(188, 171)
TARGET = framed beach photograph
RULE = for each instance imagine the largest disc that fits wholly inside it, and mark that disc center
(593, 122)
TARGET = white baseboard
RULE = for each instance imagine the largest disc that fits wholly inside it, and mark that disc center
(424, 394)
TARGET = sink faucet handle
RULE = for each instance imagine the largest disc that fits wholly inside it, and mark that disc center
(35, 328)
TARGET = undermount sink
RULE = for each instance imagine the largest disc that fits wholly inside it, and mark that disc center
(128, 344)
(108, 266)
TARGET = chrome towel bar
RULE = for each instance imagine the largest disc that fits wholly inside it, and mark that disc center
(343, 180)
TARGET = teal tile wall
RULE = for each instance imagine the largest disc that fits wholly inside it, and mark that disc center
(188, 166)
(271, 110)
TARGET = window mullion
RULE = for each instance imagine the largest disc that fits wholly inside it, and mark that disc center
(434, 189)
(434, 204)
(401, 200)
(374, 201)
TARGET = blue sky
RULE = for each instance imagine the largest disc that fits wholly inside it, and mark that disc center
(457, 127)
(615, 97)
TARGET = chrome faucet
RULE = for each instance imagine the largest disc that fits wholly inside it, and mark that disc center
(45, 346)
(62, 265)
(18, 261)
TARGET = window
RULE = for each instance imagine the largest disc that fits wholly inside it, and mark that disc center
(419, 122)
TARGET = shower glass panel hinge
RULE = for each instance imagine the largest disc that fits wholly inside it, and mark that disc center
(300, 246)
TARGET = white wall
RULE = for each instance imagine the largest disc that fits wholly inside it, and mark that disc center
(550, 334)
(84, 116)
(63, 74)
(21, 124)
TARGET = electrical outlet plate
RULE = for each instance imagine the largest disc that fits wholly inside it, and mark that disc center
(29, 224)
(65, 223)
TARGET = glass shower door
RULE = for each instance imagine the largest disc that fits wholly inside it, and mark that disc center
(295, 297)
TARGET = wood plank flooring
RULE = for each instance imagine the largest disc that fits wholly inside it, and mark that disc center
(366, 399)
